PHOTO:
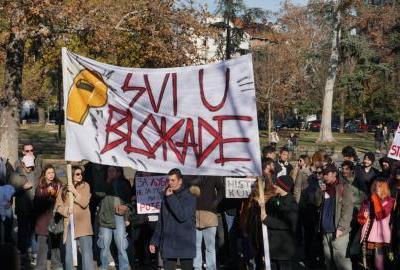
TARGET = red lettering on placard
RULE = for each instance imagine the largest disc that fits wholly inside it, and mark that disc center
(126, 87)
(203, 154)
(125, 137)
(120, 123)
(395, 150)
(189, 140)
(113, 128)
(147, 88)
(220, 120)
(210, 107)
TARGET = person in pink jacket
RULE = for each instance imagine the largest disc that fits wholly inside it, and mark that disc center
(374, 216)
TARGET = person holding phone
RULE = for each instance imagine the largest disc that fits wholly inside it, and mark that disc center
(175, 234)
(334, 198)
(44, 202)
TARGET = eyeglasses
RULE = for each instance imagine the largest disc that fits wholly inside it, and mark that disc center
(28, 150)
(78, 174)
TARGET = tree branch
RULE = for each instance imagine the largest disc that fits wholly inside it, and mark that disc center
(123, 19)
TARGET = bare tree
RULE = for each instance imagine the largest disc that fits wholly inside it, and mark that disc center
(325, 135)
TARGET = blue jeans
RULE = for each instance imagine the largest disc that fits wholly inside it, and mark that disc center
(230, 221)
(209, 239)
(105, 237)
(85, 247)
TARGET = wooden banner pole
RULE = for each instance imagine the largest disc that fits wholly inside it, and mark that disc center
(71, 217)
(267, 258)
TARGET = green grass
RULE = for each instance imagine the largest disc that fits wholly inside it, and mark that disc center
(44, 139)
(362, 142)
(47, 145)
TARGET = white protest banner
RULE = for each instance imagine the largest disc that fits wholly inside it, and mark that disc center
(148, 193)
(394, 151)
(199, 119)
(237, 188)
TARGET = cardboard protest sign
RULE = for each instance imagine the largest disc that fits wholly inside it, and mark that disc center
(200, 119)
(394, 151)
(149, 191)
(237, 188)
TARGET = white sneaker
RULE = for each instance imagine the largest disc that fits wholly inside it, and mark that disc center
(33, 259)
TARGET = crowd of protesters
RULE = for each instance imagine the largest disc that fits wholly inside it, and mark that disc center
(319, 215)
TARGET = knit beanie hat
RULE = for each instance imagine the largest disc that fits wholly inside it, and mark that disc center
(285, 182)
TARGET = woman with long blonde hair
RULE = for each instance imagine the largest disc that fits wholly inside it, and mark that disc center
(374, 216)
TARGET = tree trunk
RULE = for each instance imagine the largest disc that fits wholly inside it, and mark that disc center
(228, 40)
(325, 135)
(10, 103)
(342, 104)
(48, 115)
(269, 118)
(41, 116)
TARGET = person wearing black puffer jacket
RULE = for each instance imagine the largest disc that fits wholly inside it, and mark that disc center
(364, 175)
(281, 219)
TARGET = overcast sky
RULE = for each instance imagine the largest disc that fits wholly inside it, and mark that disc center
(272, 5)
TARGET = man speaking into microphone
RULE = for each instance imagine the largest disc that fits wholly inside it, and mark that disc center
(175, 233)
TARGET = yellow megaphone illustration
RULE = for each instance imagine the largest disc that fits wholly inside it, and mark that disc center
(88, 90)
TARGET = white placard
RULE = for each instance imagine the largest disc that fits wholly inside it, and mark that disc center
(148, 193)
(237, 188)
(394, 151)
(199, 119)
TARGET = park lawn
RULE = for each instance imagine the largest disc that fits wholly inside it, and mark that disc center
(47, 145)
(44, 139)
(363, 142)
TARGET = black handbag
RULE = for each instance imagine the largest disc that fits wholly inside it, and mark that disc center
(56, 225)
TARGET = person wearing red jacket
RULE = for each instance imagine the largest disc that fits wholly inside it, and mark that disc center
(374, 216)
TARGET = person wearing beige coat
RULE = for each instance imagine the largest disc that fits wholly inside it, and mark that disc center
(82, 222)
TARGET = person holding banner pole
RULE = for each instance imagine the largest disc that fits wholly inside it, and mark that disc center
(252, 231)
(281, 217)
(114, 217)
(175, 234)
(82, 224)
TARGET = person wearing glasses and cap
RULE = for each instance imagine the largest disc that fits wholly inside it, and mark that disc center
(29, 150)
(25, 181)
(334, 198)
